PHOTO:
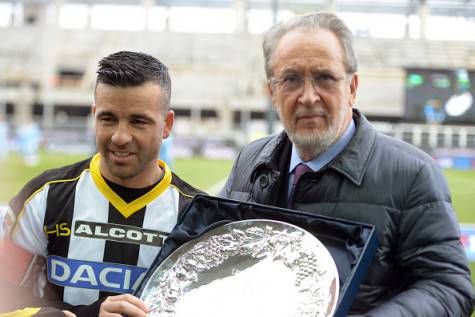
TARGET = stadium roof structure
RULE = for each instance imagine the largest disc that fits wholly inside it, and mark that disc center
(463, 8)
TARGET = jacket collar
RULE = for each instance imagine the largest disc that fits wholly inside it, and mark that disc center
(351, 162)
(270, 155)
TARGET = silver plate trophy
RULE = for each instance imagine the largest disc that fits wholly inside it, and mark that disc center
(252, 268)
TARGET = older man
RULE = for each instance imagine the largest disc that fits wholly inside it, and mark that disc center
(331, 161)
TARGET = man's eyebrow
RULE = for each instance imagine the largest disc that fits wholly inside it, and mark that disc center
(104, 113)
(141, 117)
(291, 69)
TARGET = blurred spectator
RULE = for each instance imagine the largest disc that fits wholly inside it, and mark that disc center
(3, 138)
(28, 140)
(166, 154)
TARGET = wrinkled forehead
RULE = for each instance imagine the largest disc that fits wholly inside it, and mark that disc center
(313, 50)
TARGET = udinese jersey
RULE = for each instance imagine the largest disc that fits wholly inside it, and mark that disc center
(95, 243)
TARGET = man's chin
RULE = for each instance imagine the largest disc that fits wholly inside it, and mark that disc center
(121, 172)
(321, 140)
(312, 124)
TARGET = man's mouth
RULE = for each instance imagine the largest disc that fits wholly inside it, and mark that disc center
(309, 116)
(313, 114)
(121, 154)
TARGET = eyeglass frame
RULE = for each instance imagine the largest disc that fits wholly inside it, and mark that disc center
(303, 78)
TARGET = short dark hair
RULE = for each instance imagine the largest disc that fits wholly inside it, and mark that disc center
(130, 69)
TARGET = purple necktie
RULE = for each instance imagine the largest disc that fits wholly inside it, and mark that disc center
(300, 169)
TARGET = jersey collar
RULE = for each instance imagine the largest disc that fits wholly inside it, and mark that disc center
(128, 209)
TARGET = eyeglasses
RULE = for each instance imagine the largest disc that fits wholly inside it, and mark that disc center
(292, 82)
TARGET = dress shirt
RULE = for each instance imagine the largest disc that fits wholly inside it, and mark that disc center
(321, 159)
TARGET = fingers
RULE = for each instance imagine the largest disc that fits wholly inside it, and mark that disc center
(130, 299)
(123, 304)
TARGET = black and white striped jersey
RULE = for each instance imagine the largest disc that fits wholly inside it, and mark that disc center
(95, 242)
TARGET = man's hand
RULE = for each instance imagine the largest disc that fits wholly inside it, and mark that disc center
(128, 304)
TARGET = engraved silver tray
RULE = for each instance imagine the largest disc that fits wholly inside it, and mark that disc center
(246, 268)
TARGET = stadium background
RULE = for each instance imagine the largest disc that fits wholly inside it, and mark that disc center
(417, 67)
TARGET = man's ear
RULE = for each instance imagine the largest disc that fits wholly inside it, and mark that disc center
(93, 109)
(169, 119)
(353, 88)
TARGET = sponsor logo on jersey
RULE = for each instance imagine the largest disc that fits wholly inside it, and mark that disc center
(121, 233)
(109, 277)
(59, 229)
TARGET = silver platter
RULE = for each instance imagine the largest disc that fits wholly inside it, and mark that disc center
(251, 268)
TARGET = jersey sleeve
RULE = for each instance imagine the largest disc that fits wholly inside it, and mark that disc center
(28, 231)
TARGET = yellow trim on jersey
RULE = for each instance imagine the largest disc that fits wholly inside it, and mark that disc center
(181, 192)
(20, 214)
(26, 312)
(128, 209)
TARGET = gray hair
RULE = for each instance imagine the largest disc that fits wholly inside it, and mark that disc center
(312, 21)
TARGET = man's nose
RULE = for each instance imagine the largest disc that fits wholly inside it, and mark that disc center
(121, 134)
(309, 93)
